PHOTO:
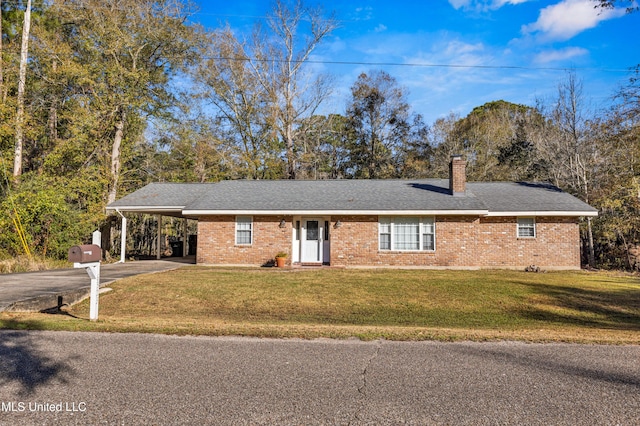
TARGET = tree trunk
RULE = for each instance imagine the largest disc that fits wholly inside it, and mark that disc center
(591, 256)
(115, 157)
(291, 157)
(24, 54)
(630, 264)
(53, 115)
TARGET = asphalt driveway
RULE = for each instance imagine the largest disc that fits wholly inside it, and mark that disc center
(37, 291)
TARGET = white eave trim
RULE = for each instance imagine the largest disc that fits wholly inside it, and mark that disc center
(337, 212)
(176, 209)
(180, 209)
(544, 213)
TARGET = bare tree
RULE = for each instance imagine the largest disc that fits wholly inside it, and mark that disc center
(631, 5)
(261, 85)
(296, 95)
(241, 102)
(629, 97)
(569, 148)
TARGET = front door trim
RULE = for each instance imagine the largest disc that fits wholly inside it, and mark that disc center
(310, 251)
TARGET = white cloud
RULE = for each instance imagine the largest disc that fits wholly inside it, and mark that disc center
(362, 14)
(380, 28)
(568, 18)
(483, 5)
(559, 55)
(457, 4)
(442, 80)
(499, 3)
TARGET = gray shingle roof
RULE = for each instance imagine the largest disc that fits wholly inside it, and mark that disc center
(502, 197)
(356, 196)
(162, 197)
(340, 195)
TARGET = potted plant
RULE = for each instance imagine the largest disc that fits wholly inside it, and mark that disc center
(281, 259)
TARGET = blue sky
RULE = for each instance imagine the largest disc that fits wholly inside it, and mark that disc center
(516, 50)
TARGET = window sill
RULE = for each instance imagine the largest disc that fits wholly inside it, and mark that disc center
(407, 251)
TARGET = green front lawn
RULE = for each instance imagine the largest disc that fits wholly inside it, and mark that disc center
(392, 304)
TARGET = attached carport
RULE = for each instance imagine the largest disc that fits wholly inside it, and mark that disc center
(161, 200)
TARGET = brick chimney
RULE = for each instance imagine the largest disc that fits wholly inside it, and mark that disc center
(457, 175)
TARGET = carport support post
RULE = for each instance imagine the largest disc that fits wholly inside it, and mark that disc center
(184, 233)
(159, 219)
(123, 237)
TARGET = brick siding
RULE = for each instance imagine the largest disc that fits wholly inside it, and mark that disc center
(461, 242)
(217, 241)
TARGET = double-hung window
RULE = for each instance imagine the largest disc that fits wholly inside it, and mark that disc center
(526, 227)
(428, 234)
(384, 229)
(407, 233)
(244, 230)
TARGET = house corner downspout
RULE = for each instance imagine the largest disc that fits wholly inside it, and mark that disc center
(123, 237)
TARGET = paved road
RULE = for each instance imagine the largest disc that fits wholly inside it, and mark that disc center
(35, 291)
(151, 379)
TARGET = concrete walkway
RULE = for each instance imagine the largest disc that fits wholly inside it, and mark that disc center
(38, 291)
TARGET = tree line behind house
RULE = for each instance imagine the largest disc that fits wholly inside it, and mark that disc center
(116, 94)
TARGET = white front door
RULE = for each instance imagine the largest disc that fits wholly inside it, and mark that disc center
(311, 244)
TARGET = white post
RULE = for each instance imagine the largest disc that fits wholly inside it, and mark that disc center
(184, 232)
(159, 217)
(93, 269)
(123, 241)
(123, 237)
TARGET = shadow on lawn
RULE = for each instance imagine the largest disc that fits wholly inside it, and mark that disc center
(611, 309)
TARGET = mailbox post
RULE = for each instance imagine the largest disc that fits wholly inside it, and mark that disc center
(88, 257)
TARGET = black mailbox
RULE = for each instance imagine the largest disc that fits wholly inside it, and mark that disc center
(85, 253)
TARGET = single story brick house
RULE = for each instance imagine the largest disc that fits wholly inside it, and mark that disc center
(427, 223)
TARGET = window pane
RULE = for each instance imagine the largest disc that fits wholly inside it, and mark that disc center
(526, 232)
(406, 233)
(243, 222)
(427, 242)
(385, 241)
(384, 229)
(428, 234)
(525, 221)
(312, 230)
(243, 229)
(526, 227)
(244, 237)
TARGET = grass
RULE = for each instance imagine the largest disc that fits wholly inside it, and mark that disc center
(368, 304)
(30, 264)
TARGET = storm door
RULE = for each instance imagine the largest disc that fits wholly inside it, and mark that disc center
(311, 244)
